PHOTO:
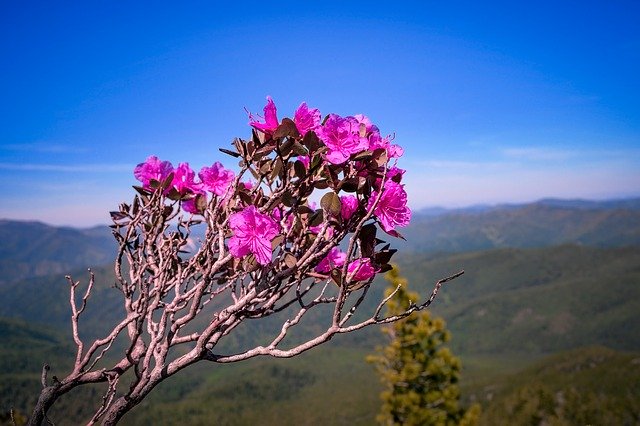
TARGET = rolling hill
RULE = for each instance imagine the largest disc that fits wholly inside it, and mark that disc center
(540, 279)
(29, 249)
(546, 223)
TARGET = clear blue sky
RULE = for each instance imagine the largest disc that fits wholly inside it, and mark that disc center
(493, 102)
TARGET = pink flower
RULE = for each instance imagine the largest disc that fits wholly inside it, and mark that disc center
(306, 119)
(190, 205)
(252, 233)
(363, 119)
(395, 174)
(349, 206)
(376, 141)
(270, 118)
(395, 151)
(341, 136)
(316, 230)
(392, 209)
(216, 178)
(184, 180)
(248, 184)
(334, 259)
(152, 169)
(361, 269)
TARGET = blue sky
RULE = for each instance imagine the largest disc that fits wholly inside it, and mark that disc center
(493, 102)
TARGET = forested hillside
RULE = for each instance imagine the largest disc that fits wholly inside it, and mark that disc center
(543, 284)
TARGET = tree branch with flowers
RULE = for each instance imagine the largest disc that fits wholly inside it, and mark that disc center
(267, 248)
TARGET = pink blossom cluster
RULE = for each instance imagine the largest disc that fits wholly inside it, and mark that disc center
(359, 269)
(215, 179)
(343, 136)
(350, 146)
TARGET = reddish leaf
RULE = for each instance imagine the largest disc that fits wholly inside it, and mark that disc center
(287, 128)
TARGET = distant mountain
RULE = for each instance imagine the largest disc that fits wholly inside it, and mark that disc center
(587, 386)
(545, 223)
(623, 203)
(511, 304)
(534, 301)
(30, 249)
(45, 300)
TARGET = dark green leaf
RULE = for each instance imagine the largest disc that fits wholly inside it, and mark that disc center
(363, 155)
(385, 268)
(277, 240)
(305, 209)
(201, 203)
(316, 218)
(241, 146)
(244, 197)
(367, 239)
(142, 191)
(311, 141)
(286, 128)
(229, 152)
(290, 260)
(286, 146)
(383, 257)
(336, 277)
(277, 168)
(330, 202)
(299, 169)
(118, 215)
(287, 199)
(173, 194)
(299, 149)
(321, 184)
(352, 184)
(249, 263)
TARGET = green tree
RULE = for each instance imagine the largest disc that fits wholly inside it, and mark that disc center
(419, 374)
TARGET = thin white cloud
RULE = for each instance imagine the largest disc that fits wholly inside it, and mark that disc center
(42, 147)
(539, 153)
(84, 168)
(456, 165)
(525, 182)
(542, 153)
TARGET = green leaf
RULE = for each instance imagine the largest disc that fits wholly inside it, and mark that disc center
(321, 184)
(311, 141)
(277, 168)
(287, 128)
(316, 218)
(118, 215)
(299, 169)
(287, 199)
(142, 191)
(330, 202)
(229, 152)
(363, 155)
(290, 260)
(173, 194)
(383, 257)
(305, 209)
(336, 276)
(352, 184)
(299, 149)
(367, 239)
(277, 240)
(201, 202)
